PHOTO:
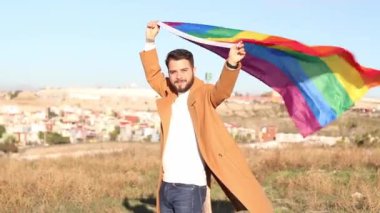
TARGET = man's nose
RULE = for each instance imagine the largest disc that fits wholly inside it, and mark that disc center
(179, 76)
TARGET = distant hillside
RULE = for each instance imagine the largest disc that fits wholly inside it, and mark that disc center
(246, 111)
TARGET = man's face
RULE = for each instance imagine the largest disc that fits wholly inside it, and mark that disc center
(181, 74)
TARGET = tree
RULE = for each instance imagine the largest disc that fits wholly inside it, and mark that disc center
(2, 130)
(51, 114)
(14, 94)
(115, 133)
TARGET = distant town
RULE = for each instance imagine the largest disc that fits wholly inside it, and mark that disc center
(88, 115)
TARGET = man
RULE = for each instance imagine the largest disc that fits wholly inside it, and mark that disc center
(194, 142)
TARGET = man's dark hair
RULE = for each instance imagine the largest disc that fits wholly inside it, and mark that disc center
(179, 54)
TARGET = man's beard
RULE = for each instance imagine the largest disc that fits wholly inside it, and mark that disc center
(186, 88)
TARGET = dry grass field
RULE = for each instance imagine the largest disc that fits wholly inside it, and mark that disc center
(296, 179)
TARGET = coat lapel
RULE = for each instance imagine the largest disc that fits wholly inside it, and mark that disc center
(192, 103)
(192, 96)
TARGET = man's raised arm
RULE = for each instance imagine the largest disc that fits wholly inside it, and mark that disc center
(225, 85)
(150, 62)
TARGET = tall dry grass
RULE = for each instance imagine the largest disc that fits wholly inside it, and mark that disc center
(301, 179)
(296, 179)
(86, 184)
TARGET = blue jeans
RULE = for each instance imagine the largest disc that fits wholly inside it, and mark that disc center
(181, 198)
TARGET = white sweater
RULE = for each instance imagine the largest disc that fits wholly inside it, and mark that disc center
(182, 162)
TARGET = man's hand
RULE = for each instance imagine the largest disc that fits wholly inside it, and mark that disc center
(152, 29)
(236, 54)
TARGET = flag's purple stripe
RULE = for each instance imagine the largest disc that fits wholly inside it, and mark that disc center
(295, 102)
(272, 76)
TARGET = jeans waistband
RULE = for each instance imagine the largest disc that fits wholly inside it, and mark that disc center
(181, 184)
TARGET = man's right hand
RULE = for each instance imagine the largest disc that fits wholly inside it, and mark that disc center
(152, 29)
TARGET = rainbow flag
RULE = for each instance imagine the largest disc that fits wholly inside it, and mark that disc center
(317, 83)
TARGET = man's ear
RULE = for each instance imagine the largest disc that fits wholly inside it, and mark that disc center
(194, 70)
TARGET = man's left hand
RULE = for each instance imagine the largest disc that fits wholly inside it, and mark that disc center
(236, 54)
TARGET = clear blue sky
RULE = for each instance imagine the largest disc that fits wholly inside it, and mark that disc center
(96, 43)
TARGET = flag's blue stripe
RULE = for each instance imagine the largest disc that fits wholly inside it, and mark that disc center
(194, 28)
(292, 69)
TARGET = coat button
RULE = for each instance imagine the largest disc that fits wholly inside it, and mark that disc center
(220, 155)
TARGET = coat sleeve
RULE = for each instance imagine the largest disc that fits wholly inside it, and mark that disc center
(153, 74)
(224, 86)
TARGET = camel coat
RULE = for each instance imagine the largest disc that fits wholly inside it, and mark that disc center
(222, 156)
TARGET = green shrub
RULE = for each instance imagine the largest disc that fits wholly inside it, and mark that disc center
(8, 147)
(53, 138)
(371, 139)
